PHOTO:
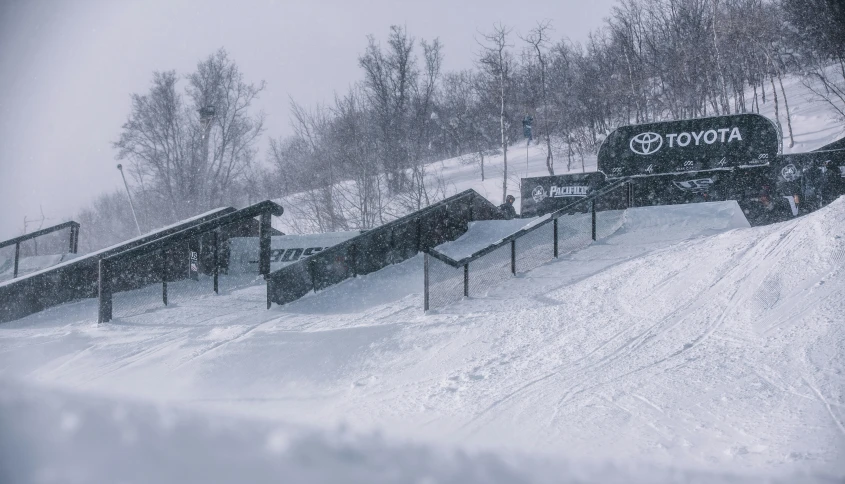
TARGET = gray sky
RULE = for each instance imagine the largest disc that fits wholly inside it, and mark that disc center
(67, 69)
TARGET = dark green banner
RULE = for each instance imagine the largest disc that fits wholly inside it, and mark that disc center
(689, 146)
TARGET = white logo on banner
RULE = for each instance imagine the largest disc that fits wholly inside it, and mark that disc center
(700, 185)
(649, 142)
(538, 194)
(646, 143)
(790, 173)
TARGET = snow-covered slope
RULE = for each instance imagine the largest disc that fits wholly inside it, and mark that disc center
(685, 339)
(814, 125)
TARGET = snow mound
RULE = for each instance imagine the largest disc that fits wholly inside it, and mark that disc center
(684, 340)
(55, 437)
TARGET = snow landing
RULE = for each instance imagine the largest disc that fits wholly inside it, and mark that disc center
(685, 342)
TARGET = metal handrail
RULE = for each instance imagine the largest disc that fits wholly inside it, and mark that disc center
(516, 235)
(263, 209)
(38, 233)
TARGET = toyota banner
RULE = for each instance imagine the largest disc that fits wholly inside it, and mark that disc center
(789, 186)
(689, 146)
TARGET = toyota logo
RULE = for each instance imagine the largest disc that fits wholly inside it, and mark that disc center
(646, 143)
(538, 194)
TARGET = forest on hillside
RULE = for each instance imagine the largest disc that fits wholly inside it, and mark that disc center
(195, 141)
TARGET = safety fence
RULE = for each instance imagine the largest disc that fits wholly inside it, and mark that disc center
(378, 248)
(38, 250)
(570, 228)
(183, 267)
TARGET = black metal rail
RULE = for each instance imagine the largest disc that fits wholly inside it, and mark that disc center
(73, 242)
(264, 210)
(375, 249)
(551, 218)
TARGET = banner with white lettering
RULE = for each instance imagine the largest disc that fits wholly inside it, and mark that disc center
(544, 194)
(284, 249)
(688, 146)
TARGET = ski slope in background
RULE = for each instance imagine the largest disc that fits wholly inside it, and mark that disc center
(814, 125)
(686, 339)
(685, 347)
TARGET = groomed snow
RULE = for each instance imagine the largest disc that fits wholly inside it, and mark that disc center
(684, 341)
(686, 347)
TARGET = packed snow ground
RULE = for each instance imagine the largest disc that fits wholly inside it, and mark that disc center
(685, 347)
(686, 339)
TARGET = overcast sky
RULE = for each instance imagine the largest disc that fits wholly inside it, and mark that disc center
(67, 68)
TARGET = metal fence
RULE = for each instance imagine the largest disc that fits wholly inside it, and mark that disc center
(183, 267)
(37, 250)
(568, 229)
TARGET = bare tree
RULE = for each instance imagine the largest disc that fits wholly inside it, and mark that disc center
(190, 167)
(539, 39)
(496, 61)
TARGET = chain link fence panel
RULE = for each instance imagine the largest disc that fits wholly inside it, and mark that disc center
(7, 263)
(445, 283)
(536, 247)
(607, 223)
(137, 285)
(489, 271)
(574, 232)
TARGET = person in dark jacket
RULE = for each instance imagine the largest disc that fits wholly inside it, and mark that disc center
(507, 210)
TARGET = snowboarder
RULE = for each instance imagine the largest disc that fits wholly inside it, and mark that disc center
(507, 210)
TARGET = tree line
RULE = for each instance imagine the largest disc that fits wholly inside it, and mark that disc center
(193, 142)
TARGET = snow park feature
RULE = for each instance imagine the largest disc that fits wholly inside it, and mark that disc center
(20, 255)
(664, 343)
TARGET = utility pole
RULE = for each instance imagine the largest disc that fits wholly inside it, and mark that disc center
(129, 194)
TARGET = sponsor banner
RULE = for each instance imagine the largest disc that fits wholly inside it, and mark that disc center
(791, 185)
(544, 194)
(284, 249)
(688, 146)
(818, 176)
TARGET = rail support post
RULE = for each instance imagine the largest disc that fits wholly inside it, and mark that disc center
(555, 237)
(425, 282)
(513, 256)
(105, 292)
(162, 255)
(264, 230)
(466, 280)
(215, 254)
(17, 258)
(593, 204)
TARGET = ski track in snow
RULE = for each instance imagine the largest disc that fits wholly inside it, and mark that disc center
(682, 339)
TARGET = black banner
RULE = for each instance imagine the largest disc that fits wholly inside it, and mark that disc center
(695, 145)
(544, 194)
(791, 185)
